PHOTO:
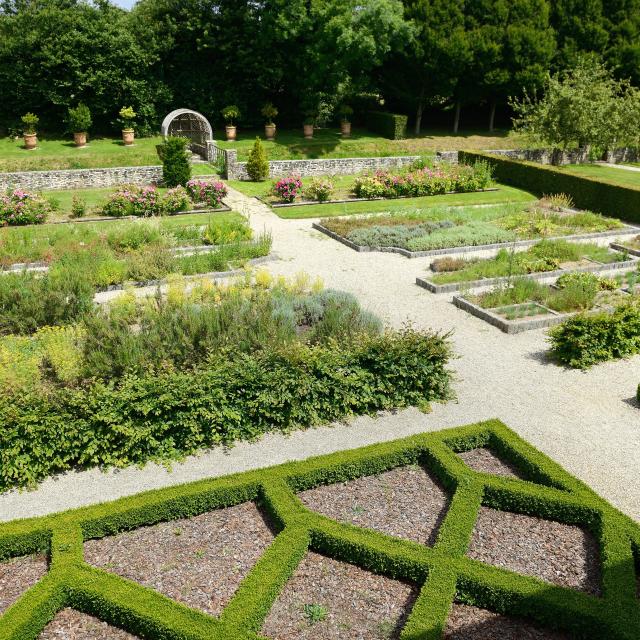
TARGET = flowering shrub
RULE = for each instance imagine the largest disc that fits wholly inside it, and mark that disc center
(19, 207)
(133, 201)
(176, 199)
(424, 181)
(209, 192)
(287, 189)
(145, 202)
(319, 189)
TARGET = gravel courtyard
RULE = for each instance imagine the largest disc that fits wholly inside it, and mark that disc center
(588, 422)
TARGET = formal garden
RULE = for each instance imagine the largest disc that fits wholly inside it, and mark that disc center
(319, 320)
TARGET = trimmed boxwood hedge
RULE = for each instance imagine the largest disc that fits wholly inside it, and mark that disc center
(442, 571)
(389, 125)
(587, 193)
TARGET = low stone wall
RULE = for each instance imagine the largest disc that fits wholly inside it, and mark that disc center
(321, 167)
(80, 178)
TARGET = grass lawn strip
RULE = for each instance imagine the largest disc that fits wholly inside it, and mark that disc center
(443, 572)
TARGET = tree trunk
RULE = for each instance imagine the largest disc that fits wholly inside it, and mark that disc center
(419, 111)
(456, 118)
(492, 115)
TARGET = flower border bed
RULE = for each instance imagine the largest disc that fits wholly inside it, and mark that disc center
(443, 571)
(627, 230)
(306, 203)
(598, 267)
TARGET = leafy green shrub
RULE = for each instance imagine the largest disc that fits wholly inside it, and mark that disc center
(176, 168)
(230, 114)
(319, 189)
(587, 193)
(585, 340)
(78, 207)
(389, 125)
(79, 118)
(469, 234)
(395, 235)
(226, 231)
(127, 117)
(448, 264)
(29, 123)
(176, 200)
(258, 163)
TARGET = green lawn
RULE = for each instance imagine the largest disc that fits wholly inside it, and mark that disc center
(504, 194)
(61, 153)
(622, 177)
(328, 143)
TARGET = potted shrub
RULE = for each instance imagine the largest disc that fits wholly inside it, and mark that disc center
(308, 124)
(127, 118)
(230, 114)
(29, 122)
(345, 124)
(269, 111)
(79, 122)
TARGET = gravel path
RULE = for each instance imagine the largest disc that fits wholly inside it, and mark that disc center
(350, 603)
(19, 574)
(471, 623)
(559, 553)
(198, 561)
(588, 422)
(70, 624)
(404, 502)
(486, 461)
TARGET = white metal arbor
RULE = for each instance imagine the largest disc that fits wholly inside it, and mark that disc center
(190, 124)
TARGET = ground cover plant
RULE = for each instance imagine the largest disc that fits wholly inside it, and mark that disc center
(443, 227)
(208, 366)
(578, 579)
(546, 255)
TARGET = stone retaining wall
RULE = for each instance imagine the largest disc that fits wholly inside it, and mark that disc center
(321, 167)
(80, 178)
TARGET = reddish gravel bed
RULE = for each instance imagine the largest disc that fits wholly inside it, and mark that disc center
(471, 623)
(198, 561)
(559, 553)
(19, 574)
(404, 502)
(70, 624)
(486, 461)
(355, 604)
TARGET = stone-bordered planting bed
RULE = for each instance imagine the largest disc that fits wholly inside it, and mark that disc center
(618, 264)
(511, 558)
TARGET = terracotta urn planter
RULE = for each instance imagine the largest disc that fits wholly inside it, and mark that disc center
(128, 137)
(345, 129)
(30, 141)
(269, 131)
(231, 131)
(80, 138)
(308, 131)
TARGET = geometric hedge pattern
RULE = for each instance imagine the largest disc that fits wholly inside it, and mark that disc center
(442, 571)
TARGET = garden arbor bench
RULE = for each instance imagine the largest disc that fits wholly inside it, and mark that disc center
(186, 123)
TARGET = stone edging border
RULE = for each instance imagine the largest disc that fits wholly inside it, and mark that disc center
(614, 233)
(623, 249)
(542, 275)
(307, 203)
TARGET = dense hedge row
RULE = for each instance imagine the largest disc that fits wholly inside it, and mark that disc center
(587, 193)
(588, 339)
(237, 396)
(389, 125)
(443, 571)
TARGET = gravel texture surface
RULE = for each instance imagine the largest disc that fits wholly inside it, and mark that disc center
(70, 624)
(486, 461)
(19, 574)
(351, 603)
(471, 623)
(405, 502)
(198, 561)
(588, 421)
(559, 553)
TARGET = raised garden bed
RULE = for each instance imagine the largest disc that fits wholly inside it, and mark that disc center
(511, 559)
(530, 314)
(618, 264)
